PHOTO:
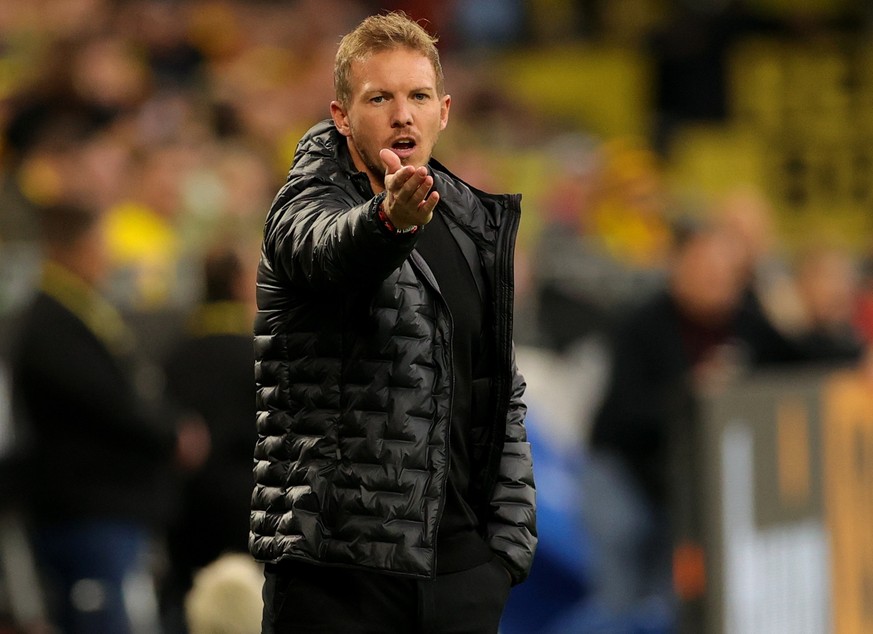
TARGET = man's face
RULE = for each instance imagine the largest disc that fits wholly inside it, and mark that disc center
(707, 279)
(394, 104)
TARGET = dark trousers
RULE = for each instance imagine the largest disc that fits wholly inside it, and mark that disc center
(302, 598)
(89, 568)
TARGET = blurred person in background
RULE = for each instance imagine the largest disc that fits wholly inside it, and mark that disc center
(629, 215)
(604, 238)
(145, 245)
(394, 485)
(684, 338)
(210, 374)
(828, 285)
(797, 309)
(687, 341)
(96, 451)
(566, 258)
(769, 297)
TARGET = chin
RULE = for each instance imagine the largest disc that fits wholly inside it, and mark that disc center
(418, 158)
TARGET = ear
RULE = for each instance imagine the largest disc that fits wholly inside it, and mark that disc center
(340, 117)
(445, 104)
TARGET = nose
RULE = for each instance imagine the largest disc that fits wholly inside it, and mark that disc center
(402, 115)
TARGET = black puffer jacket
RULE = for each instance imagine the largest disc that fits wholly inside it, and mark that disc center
(353, 359)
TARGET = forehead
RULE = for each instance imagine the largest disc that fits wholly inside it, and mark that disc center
(392, 69)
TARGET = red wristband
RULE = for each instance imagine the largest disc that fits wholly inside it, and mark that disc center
(389, 226)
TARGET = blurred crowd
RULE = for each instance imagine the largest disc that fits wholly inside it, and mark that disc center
(173, 122)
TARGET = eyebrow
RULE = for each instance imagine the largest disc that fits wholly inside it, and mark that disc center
(414, 90)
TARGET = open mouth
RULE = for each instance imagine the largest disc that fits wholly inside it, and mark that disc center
(403, 147)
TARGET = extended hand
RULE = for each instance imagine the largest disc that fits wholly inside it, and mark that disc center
(408, 200)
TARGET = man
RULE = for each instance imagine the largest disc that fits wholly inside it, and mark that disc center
(685, 338)
(393, 481)
(687, 341)
(95, 455)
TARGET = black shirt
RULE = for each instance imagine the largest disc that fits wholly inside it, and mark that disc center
(459, 544)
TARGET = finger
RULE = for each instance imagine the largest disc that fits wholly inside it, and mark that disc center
(416, 189)
(423, 189)
(390, 160)
(405, 186)
(426, 207)
(400, 180)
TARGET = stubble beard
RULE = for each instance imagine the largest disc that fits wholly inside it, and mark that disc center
(377, 170)
(372, 164)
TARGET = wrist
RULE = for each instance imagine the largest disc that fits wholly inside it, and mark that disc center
(385, 221)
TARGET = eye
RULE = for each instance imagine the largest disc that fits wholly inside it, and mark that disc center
(377, 99)
(421, 96)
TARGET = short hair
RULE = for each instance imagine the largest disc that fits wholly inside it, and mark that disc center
(379, 33)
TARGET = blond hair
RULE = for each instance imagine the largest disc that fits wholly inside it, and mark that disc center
(379, 33)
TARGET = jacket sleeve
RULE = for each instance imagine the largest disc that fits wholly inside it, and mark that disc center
(319, 236)
(512, 531)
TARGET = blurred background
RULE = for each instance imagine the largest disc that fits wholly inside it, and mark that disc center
(696, 251)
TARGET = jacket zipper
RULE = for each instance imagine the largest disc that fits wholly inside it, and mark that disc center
(504, 268)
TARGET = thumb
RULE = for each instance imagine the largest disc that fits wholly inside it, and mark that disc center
(391, 161)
